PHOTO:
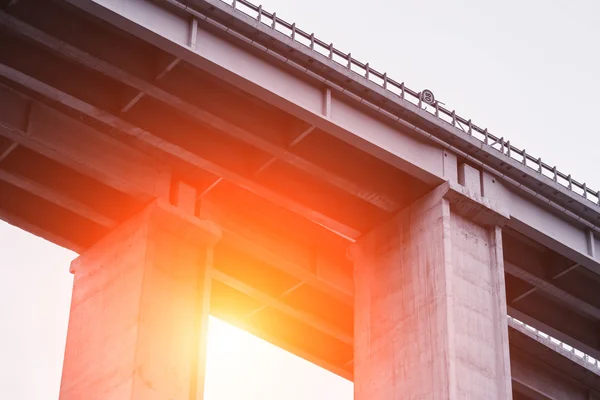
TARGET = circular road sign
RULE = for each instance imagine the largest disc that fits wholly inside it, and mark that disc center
(428, 97)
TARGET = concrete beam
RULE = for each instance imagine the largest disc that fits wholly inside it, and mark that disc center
(161, 72)
(554, 273)
(48, 138)
(542, 370)
(280, 298)
(523, 295)
(338, 284)
(78, 146)
(553, 228)
(571, 362)
(36, 230)
(5, 151)
(553, 331)
(55, 197)
(266, 79)
(271, 337)
(553, 291)
(269, 301)
(287, 256)
(166, 68)
(209, 188)
(163, 146)
(149, 89)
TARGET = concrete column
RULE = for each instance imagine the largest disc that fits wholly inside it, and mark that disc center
(139, 311)
(430, 309)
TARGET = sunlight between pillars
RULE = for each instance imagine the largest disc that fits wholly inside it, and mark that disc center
(430, 309)
(139, 311)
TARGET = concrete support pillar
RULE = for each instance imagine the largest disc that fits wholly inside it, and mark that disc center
(430, 309)
(139, 311)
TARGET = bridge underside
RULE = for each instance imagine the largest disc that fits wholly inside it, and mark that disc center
(95, 123)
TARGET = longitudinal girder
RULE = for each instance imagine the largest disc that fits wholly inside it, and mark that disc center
(398, 88)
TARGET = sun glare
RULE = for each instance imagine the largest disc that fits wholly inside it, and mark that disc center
(225, 339)
(242, 366)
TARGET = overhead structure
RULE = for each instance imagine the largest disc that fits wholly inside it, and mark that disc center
(209, 157)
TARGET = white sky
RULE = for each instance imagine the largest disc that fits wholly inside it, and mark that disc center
(525, 69)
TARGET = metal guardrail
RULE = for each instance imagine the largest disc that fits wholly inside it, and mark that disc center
(416, 98)
(586, 360)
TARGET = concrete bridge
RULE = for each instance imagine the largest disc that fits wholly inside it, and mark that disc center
(209, 157)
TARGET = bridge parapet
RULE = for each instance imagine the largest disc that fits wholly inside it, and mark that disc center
(394, 101)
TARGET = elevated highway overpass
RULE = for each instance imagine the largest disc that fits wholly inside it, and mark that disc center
(294, 151)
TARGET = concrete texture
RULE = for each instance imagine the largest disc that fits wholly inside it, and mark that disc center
(139, 310)
(430, 313)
